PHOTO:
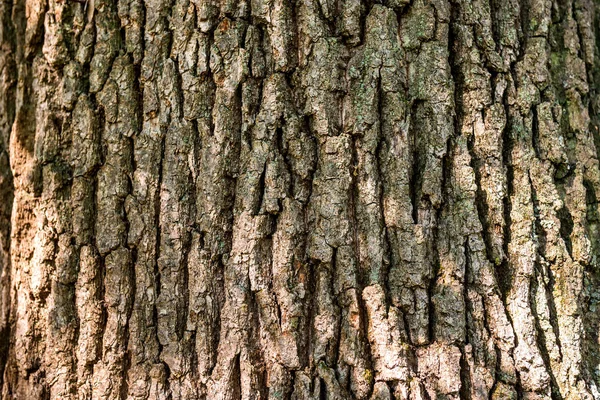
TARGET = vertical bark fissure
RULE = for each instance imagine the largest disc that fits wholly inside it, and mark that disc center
(540, 238)
(7, 108)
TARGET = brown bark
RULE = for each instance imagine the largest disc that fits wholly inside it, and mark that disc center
(299, 199)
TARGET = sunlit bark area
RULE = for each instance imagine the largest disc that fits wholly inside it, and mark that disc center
(300, 199)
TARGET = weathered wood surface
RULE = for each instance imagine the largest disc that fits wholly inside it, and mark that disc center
(299, 199)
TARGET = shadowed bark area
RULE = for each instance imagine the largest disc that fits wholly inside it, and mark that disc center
(300, 199)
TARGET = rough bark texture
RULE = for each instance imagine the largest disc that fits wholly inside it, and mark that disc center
(299, 199)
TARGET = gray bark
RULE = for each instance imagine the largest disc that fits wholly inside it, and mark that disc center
(299, 199)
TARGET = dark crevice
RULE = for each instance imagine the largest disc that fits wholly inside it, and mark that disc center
(566, 227)
(126, 366)
(581, 49)
(167, 380)
(436, 237)
(541, 239)
(218, 270)
(468, 306)
(260, 192)
(282, 148)
(7, 189)
(383, 274)
(337, 307)
(552, 307)
(504, 271)
(101, 297)
(388, 257)
(498, 376)
(322, 390)
(187, 246)
(127, 355)
(364, 276)
(541, 334)
(306, 349)
(540, 271)
(535, 132)
(416, 178)
(524, 26)
(465, 377)
(482, 205)
(539, 232)
(156, 270)
(307, 127)
(101, 127)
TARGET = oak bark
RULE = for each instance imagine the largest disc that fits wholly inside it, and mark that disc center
(299, 199)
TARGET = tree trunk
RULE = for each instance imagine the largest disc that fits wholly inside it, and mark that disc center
(299, 199)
